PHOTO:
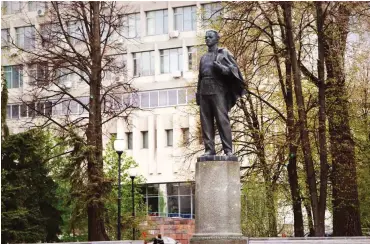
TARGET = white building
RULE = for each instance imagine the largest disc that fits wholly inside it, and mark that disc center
(162, 58)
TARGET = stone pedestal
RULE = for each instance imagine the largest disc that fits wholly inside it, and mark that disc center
(217, 201)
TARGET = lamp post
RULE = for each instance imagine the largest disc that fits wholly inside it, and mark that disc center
(119, 147)
(132, 172)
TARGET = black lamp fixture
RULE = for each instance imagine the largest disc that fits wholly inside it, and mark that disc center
(133, 174)
(119, 147)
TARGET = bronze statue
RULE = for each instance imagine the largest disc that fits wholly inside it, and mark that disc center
(220, 84)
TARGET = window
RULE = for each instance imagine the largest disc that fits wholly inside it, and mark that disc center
(163, 98)
(157, 22)
(172, 97)
(70, 107)
(129, 140)
(112, 102)
(154, 99)
(185, 136)
(38, 74)
(13, 111)
(28, 110)
(135, 100)
(44, 108)
(151, 198)
(66, 76)
(185, 18)
(180, 199)
(85, 101)
(25, 37)
(13, 76)
(169, 135)
(181, 96)
(144, 63)
(5, 37)
(145, 139)
(193, 58)
(35, 6)
(171, 60)
(11, 7)
(50, 33)
(131, 25)
(211, 12)
(24, 111)
(75, 32)
(116, 67)
(159, 98)
(144, 100)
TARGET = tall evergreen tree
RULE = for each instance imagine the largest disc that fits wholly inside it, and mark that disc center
(28, 192)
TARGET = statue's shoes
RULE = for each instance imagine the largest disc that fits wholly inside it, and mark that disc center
(208, 153)
(229, 154)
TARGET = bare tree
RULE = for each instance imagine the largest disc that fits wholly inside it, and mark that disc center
(256, 35)
(79, 42)
(333, 24)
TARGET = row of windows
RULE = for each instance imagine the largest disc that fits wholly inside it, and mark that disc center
(179, 197)
(13, 7)
(171, 60)
(152, 99)
(156, 23)
(169, 138)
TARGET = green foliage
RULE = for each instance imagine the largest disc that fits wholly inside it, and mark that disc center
(111, 173)
(254, 209)
(28, 201)
(69, 171)
(162, 205)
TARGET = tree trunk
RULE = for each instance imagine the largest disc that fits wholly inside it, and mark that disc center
(95, 208)
(346, 212)
(287, 91)
(305, 141)
(292, 165)
(322, 121)
(309, 218)
(271, 210)
(4, 103)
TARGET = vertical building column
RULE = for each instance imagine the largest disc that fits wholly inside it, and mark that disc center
(142, 20)
(121, 129)
(170, 18)
(152, 144)
(137, 138)
(161, 142)
(157, 61)
(129, 63)
(177, 141)
(185, 57)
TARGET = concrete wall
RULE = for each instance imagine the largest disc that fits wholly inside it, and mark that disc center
(311, 240)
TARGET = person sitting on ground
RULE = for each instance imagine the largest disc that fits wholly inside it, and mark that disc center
(158, 240)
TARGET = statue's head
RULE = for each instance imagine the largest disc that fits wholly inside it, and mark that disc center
(212, 37)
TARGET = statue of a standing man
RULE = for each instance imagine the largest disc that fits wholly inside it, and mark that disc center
(220, 84)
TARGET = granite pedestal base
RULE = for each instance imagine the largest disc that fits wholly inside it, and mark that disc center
(217, 201)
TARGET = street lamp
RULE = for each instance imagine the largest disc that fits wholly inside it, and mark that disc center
(119, 147)
(133, 173)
